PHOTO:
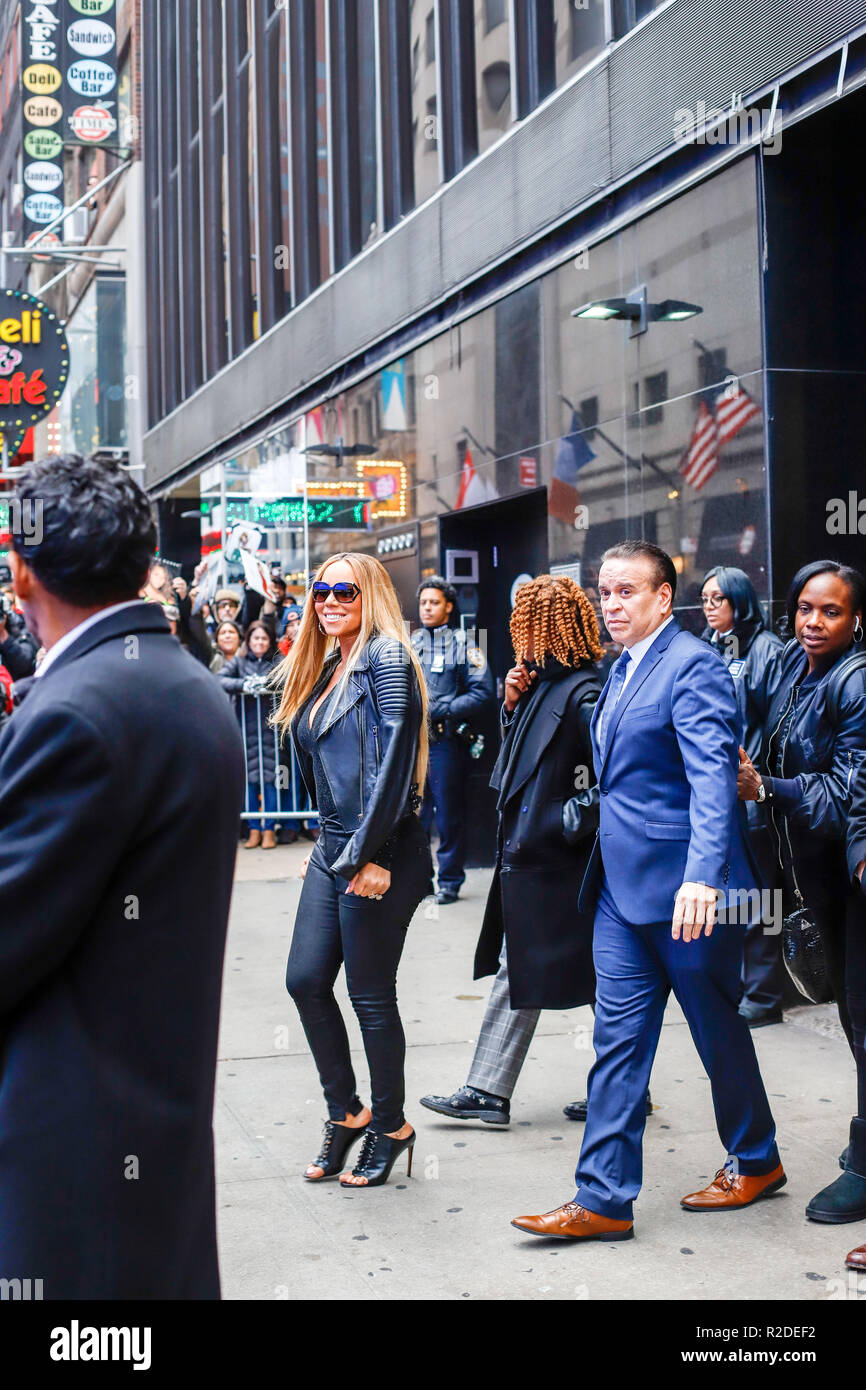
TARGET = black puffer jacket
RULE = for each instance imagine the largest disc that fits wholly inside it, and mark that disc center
(254, 712)
(368, 744)
(824, 757)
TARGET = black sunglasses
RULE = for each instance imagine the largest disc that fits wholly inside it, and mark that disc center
(343, 593)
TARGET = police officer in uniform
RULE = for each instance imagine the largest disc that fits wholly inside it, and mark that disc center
(459, 685)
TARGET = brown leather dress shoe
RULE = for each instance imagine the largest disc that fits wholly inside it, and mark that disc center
(571, 1222)
(856, 1259)
(729, 1190)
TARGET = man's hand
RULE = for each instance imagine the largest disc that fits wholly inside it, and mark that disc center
(694, 911)
(304, 867)
(748, 778)
(370, 882)
(858, 874)
(517, 682)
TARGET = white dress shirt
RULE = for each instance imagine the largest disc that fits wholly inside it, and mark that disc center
(74, 633)
(640, 649)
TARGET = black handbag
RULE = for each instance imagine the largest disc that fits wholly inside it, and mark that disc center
(580, 815)
(803, 950)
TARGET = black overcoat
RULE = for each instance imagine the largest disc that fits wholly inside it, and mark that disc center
(536, 882)
(120, 780)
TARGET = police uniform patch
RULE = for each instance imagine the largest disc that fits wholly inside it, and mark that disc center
(475, 657)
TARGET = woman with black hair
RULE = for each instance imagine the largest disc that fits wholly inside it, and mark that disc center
(245, 677)
(814, 744)
(753, 655)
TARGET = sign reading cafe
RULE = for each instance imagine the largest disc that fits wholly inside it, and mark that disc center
(42, 79)
(34, 361)
(69, 75)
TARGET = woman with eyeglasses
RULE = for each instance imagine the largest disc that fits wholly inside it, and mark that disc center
(753, 655)
(814, 745)
(354, 701)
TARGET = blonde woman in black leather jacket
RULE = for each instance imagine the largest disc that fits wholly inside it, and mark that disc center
(355, 703)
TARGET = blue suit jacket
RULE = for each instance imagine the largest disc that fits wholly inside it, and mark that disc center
(668, 783)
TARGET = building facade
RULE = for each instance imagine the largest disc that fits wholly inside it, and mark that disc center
(369, 224)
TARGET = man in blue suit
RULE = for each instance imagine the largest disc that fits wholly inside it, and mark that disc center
(670, 846)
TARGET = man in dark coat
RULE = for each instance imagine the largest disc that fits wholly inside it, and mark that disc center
(120, 780)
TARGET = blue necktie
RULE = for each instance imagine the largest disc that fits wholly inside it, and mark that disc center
(617, 681)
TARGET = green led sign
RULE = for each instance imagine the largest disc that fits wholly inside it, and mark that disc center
(323, 513)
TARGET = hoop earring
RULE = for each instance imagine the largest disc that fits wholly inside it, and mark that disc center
(321, 629)
(858, 631)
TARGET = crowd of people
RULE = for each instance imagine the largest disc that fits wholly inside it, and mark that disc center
(726, 776)
(652, 811)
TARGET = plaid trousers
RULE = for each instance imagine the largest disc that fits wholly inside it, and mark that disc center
(503, 1041)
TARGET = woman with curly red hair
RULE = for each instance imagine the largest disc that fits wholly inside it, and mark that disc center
(533, 939)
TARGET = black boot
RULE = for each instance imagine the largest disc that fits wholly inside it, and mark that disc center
(577, 1109)
(845, 1199)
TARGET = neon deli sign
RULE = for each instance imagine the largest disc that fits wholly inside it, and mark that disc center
(34, 360)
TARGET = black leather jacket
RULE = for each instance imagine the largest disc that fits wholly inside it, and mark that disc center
(754, 660)
(368, 744)
(824, 758)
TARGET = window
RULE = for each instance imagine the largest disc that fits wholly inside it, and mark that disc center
(492, 42)
(655, 390)
(416, 60)
(588, 411)
(431, 127)
(430, 39)
(628, 13)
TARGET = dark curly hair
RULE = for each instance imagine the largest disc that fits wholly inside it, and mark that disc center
(97, 534)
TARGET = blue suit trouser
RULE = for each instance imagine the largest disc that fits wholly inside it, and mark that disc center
(636, 968)
(445, 802)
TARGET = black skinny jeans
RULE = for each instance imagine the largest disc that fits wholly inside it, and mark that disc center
(333, 927)
(855, 988)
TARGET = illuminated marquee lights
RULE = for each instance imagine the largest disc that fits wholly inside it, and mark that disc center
(370, 470)
(34, 360)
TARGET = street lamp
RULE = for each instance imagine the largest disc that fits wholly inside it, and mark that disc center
(635, 309)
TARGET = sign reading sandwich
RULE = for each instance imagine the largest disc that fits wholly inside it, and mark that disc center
(34, 361)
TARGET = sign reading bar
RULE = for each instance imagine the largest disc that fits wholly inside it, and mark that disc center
(34, 361)
(89, 72)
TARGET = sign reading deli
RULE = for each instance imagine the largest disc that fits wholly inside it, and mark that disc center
(34, 361)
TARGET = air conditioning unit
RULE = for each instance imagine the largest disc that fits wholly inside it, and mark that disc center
(77, 226)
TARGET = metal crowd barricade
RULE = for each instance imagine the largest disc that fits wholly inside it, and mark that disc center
(292, 798)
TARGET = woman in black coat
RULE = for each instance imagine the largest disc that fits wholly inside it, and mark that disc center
(856, 986)
(814, 745)
(533, 938)
(244, 677)
(753, 655)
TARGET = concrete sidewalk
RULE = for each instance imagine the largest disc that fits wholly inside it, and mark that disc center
(445, 1233)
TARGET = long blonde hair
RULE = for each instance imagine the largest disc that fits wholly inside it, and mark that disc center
(380, 616)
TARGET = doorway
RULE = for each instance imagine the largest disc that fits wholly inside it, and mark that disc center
(486, 549)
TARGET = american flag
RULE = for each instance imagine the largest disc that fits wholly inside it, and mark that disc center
(701, 459)
(733, 408)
